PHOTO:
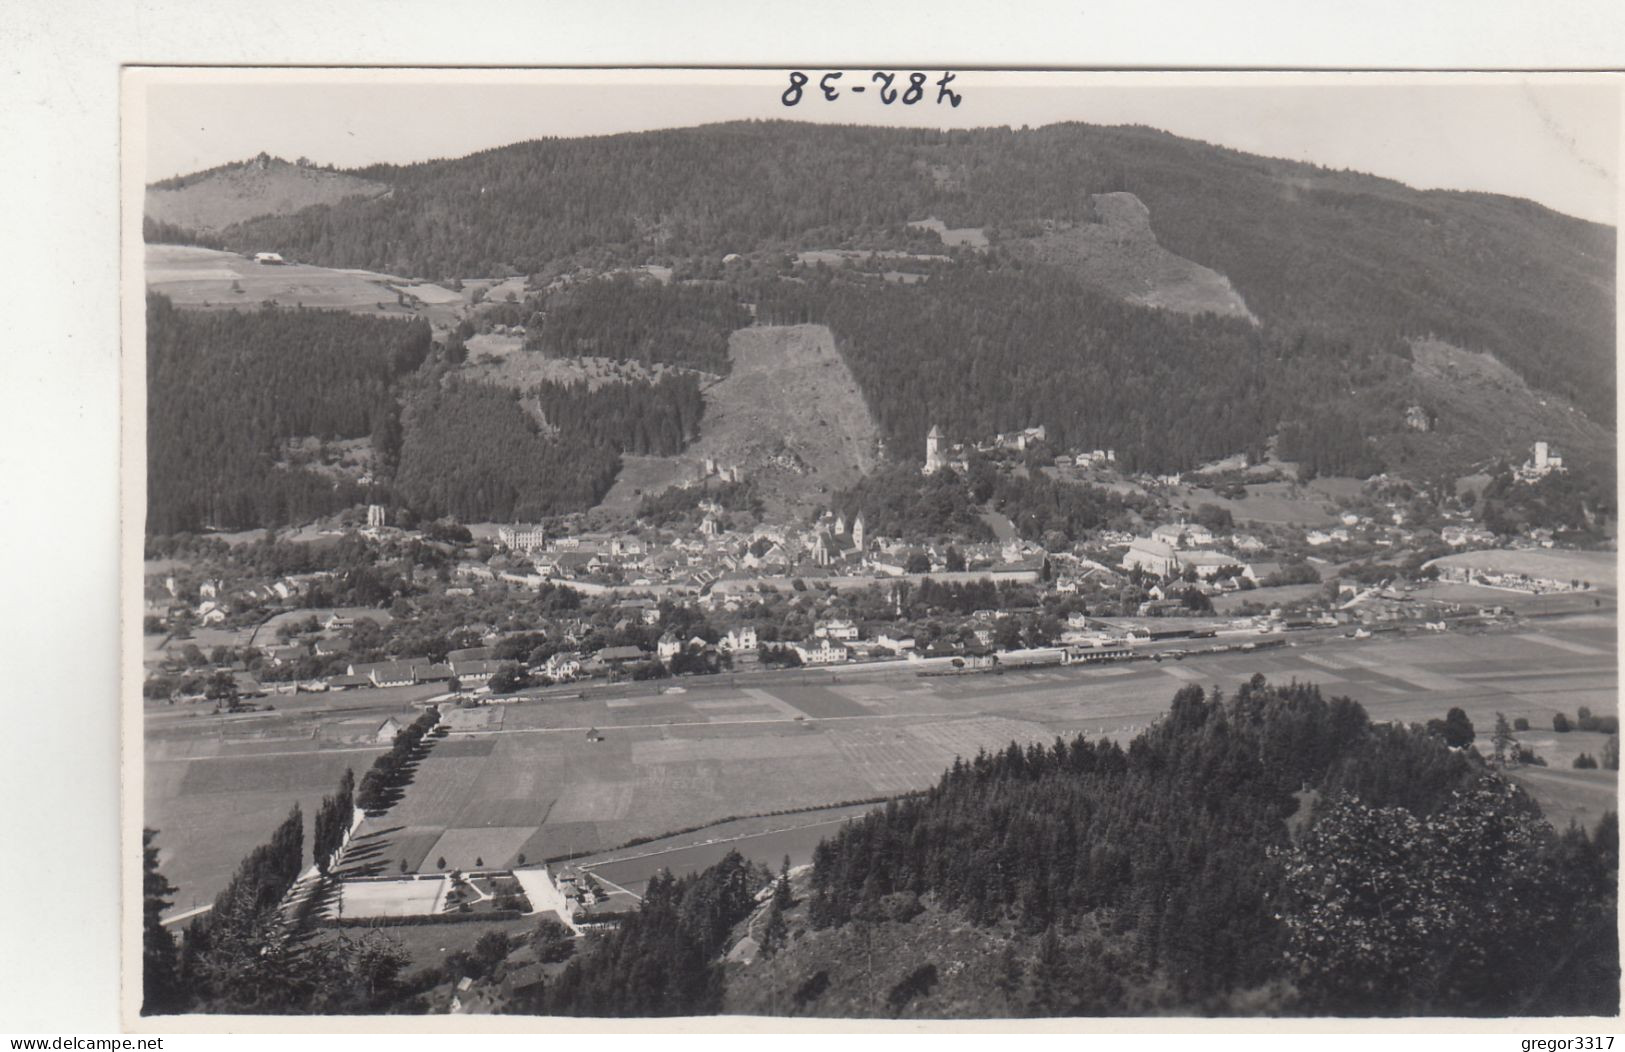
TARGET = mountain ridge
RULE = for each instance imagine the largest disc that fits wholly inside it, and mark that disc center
(1306, 248)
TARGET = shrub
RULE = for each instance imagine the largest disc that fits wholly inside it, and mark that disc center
(1585, 762)
(1560, 723)
(1520, 724)
(1527, 755)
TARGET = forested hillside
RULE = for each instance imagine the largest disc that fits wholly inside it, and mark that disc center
(979, 351)
(225, 388)
(636, 416)
(471, 452)
(622, 318)
(1308, 249)
(1199, 860)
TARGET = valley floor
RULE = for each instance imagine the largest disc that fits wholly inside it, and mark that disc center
(523, 779)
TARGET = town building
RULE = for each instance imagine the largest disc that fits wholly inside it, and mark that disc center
(1152, 556)
(1183, 535)
(740, 637)
(522, 538)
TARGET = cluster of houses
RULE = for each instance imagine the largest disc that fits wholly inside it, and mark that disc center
(212, 606)
(715, 556)
(940, 454)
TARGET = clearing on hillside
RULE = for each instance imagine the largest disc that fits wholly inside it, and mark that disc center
(1484, 411)
(233, 193)
(204, 279)
(1120, 255)
(789, 415)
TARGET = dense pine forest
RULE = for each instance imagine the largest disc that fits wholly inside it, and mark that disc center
(1308, 248)
(226, 388)
(472, 452)
(658, 417)
(642, 320)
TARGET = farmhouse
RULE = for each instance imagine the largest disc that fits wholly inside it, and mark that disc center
(269, 259)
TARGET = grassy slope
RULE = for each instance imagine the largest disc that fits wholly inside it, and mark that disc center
(1120, 255)
(220, 197)
(1485, 411)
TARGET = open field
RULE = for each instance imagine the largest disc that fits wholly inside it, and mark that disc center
(1557, 564)
(210, 812)
(202, 278)
(215, 787)
(526, 781)
(1271, 503)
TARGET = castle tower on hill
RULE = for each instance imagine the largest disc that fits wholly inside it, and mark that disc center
(933, 450)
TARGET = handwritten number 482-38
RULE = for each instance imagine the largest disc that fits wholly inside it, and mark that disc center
(889, 93)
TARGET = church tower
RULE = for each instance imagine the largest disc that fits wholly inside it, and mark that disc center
(857, 532)
(933, 450)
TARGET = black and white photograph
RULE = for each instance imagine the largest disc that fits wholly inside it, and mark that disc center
(872, 543)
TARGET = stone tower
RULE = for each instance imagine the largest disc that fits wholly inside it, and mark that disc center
(933, 450)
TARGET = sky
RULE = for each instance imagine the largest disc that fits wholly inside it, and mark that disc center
(1550, 138)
